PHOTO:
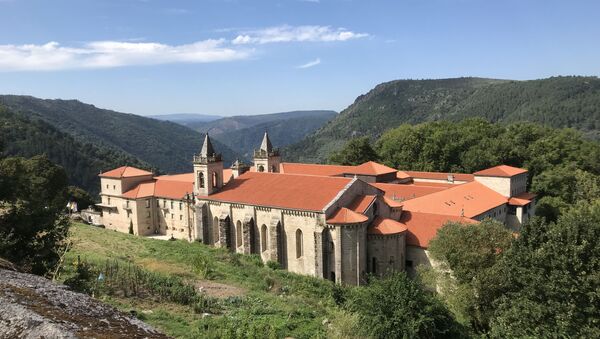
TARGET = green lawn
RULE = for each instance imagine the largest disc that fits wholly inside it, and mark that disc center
(264, 302)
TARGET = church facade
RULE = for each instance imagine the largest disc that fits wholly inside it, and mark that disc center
(328, 221)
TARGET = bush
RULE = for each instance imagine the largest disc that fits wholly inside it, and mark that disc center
(203, 267)
(274, 265)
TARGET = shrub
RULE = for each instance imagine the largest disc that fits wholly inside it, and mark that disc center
(203, 267)
(274, 265)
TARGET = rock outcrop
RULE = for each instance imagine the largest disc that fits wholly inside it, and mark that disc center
(34, 307)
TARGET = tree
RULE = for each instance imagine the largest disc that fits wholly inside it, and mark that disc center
(553, 275)
(397, 307)
(356, 152)
(79, 195)
(466, 276)
(32, 201)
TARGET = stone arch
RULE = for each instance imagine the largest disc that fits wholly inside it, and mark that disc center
(263, 238)
(253, 237)
(299, 244)
(238, 234)
(261, 168)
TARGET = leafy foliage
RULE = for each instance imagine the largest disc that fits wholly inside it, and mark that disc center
(556, 102)
(83, 198)
(552, 275)
(32, 199)
(397, 307)
(356, 152)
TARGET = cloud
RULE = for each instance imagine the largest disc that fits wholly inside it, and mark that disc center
(287, 33)
(109, 54)
(310, 63)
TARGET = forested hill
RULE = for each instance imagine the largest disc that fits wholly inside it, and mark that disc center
(556, 102)
(85, 139)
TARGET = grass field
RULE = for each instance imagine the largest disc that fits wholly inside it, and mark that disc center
(247, 298)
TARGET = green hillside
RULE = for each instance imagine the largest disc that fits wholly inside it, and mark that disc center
(282, 132)
(105, 139)
(556, 102)
(27, 137)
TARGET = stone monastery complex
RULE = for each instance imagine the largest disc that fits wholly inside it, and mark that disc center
(329, 221)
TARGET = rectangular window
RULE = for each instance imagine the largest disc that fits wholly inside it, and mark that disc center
(127, 203)
(148, 214)
(172, 216)
(171, 204)
(180, 206)
(106, 186)
(157, 203)
(108, 201)
(164, 203)
(180, 217)
(148, 203)
(114, 187)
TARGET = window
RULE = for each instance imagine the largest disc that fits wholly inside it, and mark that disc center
(201, 179)
(261, 168)
(164, 203)
(171, 204)
(108, 201)
(128, 214)
(172, 216)
(106, 186)
(157, 203)
(273, 169)
(299, 247)
(148, 203)
(180, 217)
(114, 187)
(148, 214)
(215, 179)
(238, 233)
(263, 237)
(127, 203)
(180, 206)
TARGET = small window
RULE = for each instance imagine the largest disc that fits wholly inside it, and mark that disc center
(201, 179)
(148, 203)
(171, 205)
(263, 237)
(127, 203)
(148, 214)
(299, 245)
(238, 233)
(172, 216)
(114, 187)
(180, 206)
(108, 201)
(157, 203)
(180, 217)
(106, 186)
(261, 168)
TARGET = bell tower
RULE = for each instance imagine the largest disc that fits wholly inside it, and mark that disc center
(208, 169)
(266, 158)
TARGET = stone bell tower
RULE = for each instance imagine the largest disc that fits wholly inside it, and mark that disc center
(266, 158)
(208, 169)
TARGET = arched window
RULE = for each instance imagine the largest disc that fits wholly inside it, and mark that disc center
(261, 168)
(299, 247)
(238, 233)
(201, 179)
(215, 179)
(263, 238)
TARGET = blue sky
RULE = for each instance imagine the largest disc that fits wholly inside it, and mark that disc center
(231, 57)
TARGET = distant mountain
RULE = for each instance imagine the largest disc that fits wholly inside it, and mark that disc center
(186, 118)
(244, 133)
(556, 102)
(86, 140)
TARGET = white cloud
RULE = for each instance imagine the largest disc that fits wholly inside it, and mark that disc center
(287, 33)
(108, 54)
(310, 63)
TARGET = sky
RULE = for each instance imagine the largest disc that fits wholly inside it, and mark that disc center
(231, 57)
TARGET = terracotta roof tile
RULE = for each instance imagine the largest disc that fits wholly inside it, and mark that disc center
(372, 168)
(422, 227)
(124, 172)
(361, 203)
(470, 199)
(522, 199)
(303, 192)
(345, 215)
(440, 176)
(368, 168)
(142, 190)
(501, 171)
(403, 192)
(384, 226)
(392, 203)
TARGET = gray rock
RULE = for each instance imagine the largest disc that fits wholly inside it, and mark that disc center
(34, 307)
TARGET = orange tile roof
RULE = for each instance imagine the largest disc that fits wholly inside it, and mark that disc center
(434, 184)
(372, 168)
(391, 202)
(440, 175)
(313, 169)
(303, 192)
(470, 199)
(345, 215)
(361, 203)
(501, 171)
(384, 226)
(124, 172)
(422, 227)
(142, 190)
(402, 175)
(402, 192)
(186, 177)
(522, 199)
(227, 173)
(368, 168)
